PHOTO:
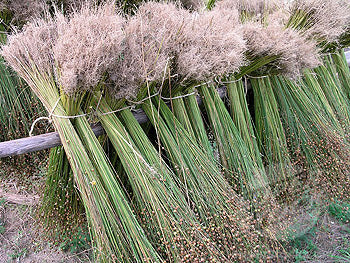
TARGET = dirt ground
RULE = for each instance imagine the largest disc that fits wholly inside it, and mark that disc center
(21, 240)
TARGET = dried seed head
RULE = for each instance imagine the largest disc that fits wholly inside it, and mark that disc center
(327, 19)
(295, 51)
(88, 45)
(213, 45)
(32, 47)
(73, 5)
(150, 38)
(278, 17)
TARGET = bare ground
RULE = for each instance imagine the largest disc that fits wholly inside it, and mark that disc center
(21, 239)
(330, 238)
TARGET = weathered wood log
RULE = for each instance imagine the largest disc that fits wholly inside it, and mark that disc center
(47, 140)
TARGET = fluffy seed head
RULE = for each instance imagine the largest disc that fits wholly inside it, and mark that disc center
(88, 45)
(32, 46)
(327, 19)
(295, 51)
(213, 45)
(150, 38)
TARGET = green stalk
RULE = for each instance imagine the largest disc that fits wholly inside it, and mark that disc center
(18, 106)
(187, 111)
(242, 118)
(317, 94)
(198, 126)
(335, 96)
(343, 71)
(180, 112)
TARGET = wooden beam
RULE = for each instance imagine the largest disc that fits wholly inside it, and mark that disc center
(48, 140)
(35, 143)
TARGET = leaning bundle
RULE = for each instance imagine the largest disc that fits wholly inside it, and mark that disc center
(30, 54)
(319, 152)
(222, 211)
(325, 21)
(244, 174)
(343, 71)
(84, 63)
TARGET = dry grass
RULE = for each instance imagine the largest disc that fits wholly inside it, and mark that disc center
(325, 241)
(21, 241)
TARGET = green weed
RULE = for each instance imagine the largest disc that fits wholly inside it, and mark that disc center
(78, 242)
(19, 253)
(344, 255)
(340, 211)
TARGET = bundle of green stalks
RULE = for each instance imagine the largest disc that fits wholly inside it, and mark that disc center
(19, 106)
(334, 91)
(268, 148)
(223, 212)
(243, 120)
(305, 18)
(271, 136)
(239, 164)
(239, 161)
(186, 109)
(19, 109)
(116, 233)
(319, 152)
(342, 68)
(310, 81)
(61, 210)
(330, 117)
(225, 37)
(162, 208)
